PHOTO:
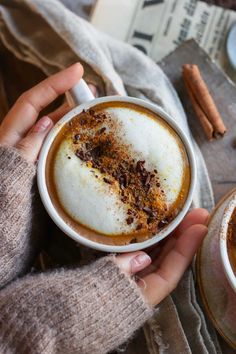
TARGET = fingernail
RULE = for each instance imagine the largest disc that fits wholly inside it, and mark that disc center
(140, 262)
(42, 125)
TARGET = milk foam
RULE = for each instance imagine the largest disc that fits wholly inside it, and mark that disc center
(94, 203)
(87, 199)
(154, 144)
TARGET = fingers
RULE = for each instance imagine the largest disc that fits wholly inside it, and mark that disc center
(161, 282)
(26, 109)
(182, 253)
(161, 254)
(195, 216)
(31, 144)
(59, 112)
(131, 263)
(65, 108)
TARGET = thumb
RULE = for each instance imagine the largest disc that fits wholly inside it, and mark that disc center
(134, 262)
(31, 144)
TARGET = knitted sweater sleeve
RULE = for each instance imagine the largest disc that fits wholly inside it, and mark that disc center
(93, 309)
(18, 240)
(90, 310)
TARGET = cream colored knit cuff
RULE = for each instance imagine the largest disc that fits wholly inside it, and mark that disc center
(93, 309)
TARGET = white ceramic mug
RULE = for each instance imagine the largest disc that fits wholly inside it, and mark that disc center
(223, 242)
(81, 97)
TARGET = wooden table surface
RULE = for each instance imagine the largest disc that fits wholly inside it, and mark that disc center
(219, 155)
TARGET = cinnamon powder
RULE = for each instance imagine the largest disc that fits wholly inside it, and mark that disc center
(94, 141)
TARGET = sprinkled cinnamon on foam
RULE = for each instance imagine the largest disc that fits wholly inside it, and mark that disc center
(123, 173)
(137, 187)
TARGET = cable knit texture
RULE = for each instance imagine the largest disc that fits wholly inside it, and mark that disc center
(92, 309)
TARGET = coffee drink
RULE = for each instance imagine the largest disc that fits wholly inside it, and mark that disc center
(231, 241)
(117, 173)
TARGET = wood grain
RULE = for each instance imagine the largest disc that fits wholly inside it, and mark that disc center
(220, 155)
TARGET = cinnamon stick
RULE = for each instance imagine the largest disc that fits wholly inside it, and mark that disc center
(202, 101)
(206, 125)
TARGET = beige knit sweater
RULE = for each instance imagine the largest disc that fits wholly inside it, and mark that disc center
(92, 309)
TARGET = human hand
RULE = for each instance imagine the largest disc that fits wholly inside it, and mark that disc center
(159, 273)
(19, 127)
(171, 257)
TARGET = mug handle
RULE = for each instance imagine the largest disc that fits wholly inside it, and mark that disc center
(80, 93)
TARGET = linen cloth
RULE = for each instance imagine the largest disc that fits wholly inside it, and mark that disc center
(48, 35)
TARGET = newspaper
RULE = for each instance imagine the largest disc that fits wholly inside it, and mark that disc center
(157, 27)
